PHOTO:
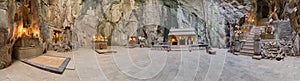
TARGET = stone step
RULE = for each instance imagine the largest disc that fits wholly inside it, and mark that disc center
(249, 38)
(247, 48)
(248, 44)
(246, 52)
(179, 48)
(273, 49)
(251, 35)
(273, 52)
(249, 41)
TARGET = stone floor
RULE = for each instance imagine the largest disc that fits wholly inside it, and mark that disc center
(143, 64)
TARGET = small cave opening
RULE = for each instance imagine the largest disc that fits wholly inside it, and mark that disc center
(262, 9)
(56, 37)
(265, 11)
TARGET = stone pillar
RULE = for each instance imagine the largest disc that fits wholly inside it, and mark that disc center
(257, 44)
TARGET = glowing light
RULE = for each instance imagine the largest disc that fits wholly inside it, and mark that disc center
(252, 20)
(94, 38)
(173, 40)
(37, 34)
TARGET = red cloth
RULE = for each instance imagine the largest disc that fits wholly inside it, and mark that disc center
(101, 46)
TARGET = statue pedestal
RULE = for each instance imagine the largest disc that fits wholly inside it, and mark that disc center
(27, 52)
(27, 47)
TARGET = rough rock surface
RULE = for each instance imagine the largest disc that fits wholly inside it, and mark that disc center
(284, 30)
(292, 12)
(5, 46)
(58, 14)
(46, 14)
(120, 19)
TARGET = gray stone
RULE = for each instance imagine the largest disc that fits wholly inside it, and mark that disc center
(212, 52)
(3, 19)
(3, 4)
(4, 54)
(257, 57)
(86, 29)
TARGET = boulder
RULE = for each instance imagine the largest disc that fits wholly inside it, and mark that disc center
(212, 52)
(257, 57)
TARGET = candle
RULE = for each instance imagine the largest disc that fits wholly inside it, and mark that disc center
(37, 34)
(24, 32)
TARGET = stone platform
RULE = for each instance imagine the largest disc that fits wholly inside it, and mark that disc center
(26, 47)
(27, 52)
(50, 63)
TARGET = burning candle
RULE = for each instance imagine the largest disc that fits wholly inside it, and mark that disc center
(98, 38)
(94, 38)
(37, 34)
(173, 40)
(24, 32)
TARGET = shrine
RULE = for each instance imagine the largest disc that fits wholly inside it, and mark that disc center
(182, 36)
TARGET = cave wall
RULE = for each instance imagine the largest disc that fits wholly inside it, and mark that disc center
(44, 14)
(58, 14)
(7, 8)
(119, 19)
(292, 12)
(4, 56)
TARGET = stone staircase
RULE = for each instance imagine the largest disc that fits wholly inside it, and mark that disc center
(247, 47)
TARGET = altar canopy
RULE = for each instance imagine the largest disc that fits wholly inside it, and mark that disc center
(182, 36)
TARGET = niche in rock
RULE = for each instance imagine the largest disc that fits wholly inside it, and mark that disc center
(262, 9)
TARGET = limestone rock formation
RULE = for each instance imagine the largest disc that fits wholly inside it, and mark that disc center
(76, 22)
(44, 16)
(292, 11)
(6, 31)
(120, 19)
(58, 16)
(3, 30)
